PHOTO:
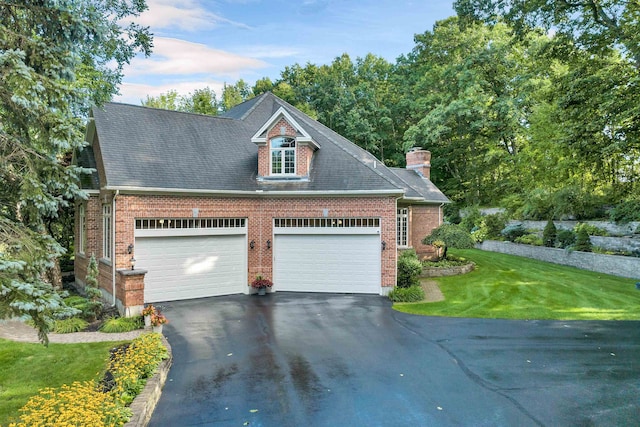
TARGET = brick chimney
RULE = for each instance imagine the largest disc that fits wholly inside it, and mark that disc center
(420, 161)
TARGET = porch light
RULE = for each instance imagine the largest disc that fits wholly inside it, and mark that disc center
(268, 244)
(252, 244)
(130, 248)
(133, 262)
(384, 245)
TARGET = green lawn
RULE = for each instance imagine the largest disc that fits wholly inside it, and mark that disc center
(25, 368)
(511, 287)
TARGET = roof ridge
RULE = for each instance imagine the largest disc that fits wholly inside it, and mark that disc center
(190, 113)
(260, 99)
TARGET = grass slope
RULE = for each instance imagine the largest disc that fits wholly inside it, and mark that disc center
(511, 287)
(25, 368)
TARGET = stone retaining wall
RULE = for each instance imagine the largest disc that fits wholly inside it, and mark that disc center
(448, 271)
(609, 264)
(144, 403)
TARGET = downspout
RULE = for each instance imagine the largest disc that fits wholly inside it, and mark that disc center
(440, 214)
(113, 247)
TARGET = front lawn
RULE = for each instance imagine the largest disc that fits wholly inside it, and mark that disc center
(25, 368)
(511, 287)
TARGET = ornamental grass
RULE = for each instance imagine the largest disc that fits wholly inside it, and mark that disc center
(91, 404)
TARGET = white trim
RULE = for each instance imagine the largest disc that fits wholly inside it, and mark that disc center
(264, 193)
(282, 151)
(107, 231)
(402, 227)
(258, 139)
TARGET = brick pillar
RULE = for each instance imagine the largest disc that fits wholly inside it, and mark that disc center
(420, 161)
(130, 291)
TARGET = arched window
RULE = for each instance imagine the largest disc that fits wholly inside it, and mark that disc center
(283, 156)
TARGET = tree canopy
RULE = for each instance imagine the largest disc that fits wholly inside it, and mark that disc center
(57, 58)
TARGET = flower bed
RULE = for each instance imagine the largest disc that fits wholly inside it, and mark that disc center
(99, 404)
(447, 271)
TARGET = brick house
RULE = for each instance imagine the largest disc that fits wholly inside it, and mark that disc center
(201, 205)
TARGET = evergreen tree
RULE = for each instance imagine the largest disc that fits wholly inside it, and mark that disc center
(583, 242)
(57, 58)
(549, 234)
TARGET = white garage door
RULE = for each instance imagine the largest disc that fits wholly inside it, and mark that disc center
(342, 263)
(196, 266)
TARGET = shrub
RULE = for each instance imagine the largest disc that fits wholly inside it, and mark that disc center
(452, 213)
(89, 310)
(512, 232)
(583, 243)
(591, 230)
(529, 239)
(122, 324)
(409, 269)
(573, 202)
(538, 205)
(78, 404)
(454, 236)
(494, 224)
(625, 212)
(549, 234)
(411, 294)
(566, 238)
(67, 326)
(472, 218)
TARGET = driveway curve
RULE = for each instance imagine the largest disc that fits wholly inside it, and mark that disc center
(289, 359)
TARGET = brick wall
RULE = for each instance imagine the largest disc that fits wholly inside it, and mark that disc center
(259, 214)
(422, 220)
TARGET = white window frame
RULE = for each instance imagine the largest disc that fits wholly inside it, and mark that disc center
(106, 232)
(402, 224)
(82, 232)
(282, 154)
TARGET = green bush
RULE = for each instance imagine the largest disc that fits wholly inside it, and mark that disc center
(90, 310)
(472, 218)
(549, 234)
(538, 205)
(409, 269)
(529, 239)
(574, 202)
(583, 243)
(625, 212)
(566, 238)
(494, 224)
(449, 261)
(67, 326)
(411, 294)
(512, 232)
(122, 324)
(453, 236)
(452, 213)
(591, 230)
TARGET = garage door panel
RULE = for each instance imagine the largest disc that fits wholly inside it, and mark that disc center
(192, 267)
(327, 263)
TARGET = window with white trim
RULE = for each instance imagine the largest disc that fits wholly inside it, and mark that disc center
(106, 231)
(283, 156)
(82, 229)
(403, 227)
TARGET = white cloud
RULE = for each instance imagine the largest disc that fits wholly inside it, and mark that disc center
(180, 57)
(134, 93)
(270, 51)
(187, 15)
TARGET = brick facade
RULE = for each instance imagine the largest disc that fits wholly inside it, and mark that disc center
(259, 212)
(422, 220)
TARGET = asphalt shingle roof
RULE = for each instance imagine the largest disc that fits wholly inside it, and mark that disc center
(148, 148)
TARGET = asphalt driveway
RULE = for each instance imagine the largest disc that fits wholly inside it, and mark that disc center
(290, 359)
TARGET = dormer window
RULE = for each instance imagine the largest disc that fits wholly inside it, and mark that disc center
(283, 156)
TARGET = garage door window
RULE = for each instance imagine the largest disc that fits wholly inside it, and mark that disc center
(177, 223)
(326, 222)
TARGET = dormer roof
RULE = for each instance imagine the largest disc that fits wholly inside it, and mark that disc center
(260, 137)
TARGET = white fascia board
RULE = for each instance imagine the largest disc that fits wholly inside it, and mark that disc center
(256, 193)
(257, 139)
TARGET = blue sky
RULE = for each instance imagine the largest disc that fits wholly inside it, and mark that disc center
(199, 43)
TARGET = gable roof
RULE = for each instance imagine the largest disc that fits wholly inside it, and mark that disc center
(148, 149)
